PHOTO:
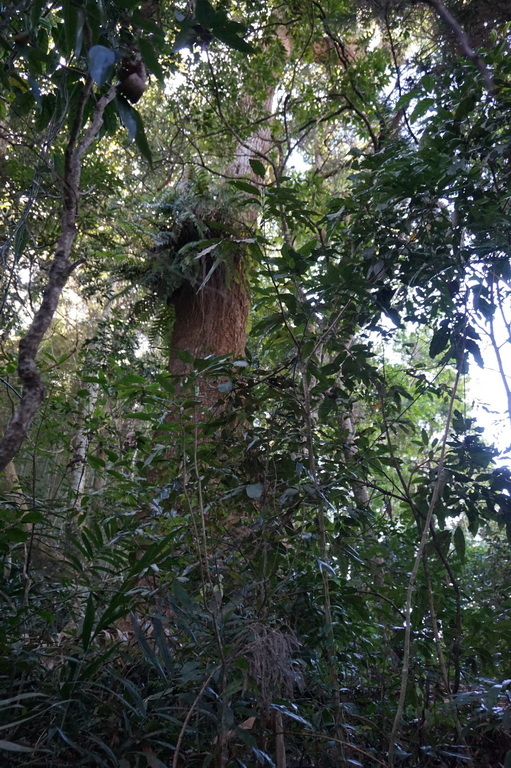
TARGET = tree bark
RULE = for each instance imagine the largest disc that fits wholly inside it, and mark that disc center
(212, 320)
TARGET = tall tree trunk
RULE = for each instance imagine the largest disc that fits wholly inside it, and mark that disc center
(212, 318)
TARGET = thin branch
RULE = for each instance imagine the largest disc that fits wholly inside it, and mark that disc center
(333, 669)
(440, 651)
(464, 43)
(459, 626)
(175, 761)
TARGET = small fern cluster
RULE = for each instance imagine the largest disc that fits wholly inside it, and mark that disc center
(194, 228)
(192, 222)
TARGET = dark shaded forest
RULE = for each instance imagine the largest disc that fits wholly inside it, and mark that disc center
(255, 324)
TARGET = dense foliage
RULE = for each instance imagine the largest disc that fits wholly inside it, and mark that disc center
(297, 555)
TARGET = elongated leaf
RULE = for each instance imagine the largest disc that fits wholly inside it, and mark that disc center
(70, 14)
(257, 167)
(421, 108)
(459, 543)
(21, 697)
(141, 140)
(162, 644)
(101, 61)
(150, 58)
(290, 713)
(88, 621)
(127, 115)
(440, 340)
(262, 757)
(233, 40)
(244, 186)
(184, 38)
(182, 595)
(325, 567)
(148, 651)
(11, 746)
(472, 347)
(205, 13)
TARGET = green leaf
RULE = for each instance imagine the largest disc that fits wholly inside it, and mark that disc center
(132, 378)
(492, 695)
(244, 186)
(119, 607)
(71, 20)
(326, 568)
(406, 98)
(465, 107)
(148, 651)
(231, 39)
(290, 713)
(141, 140)
(140, 416)
(162, 644)
(459, 543)
(21, 697)
(205, 13)
(262, 757)
(96, 462)
(36, 91)
(78, 42)
(33, 517)
(182, 595)
(150, 58)
(440, 339)
(149, 25)
(184, 38)
(473, 348)
(128, 115)
(254, 491)
(101, 61)
(421, 108)
(257, 167)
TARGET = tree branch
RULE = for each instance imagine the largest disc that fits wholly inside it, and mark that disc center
(464, 42)
(60, 270)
